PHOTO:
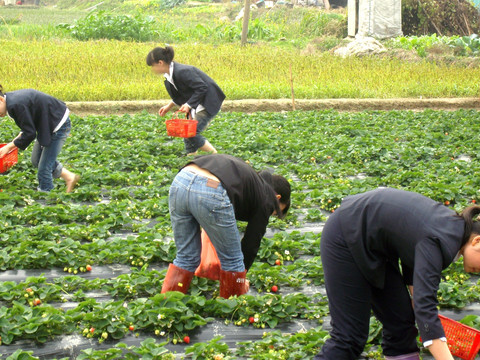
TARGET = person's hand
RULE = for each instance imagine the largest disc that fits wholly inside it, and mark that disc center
(247, 285)
(164, 110)
(6, 149)
(184, 108)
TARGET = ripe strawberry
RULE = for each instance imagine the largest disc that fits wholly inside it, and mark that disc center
(88, 268)
(274, 288)
(251, 319)
(131, 328)
(447, 202)
(278, 262)
(29, 290)
(37, 302)
(92, 330)
(186, 339)
(474, 201)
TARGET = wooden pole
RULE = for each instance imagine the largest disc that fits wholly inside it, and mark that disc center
(291, 88)
(246, 17)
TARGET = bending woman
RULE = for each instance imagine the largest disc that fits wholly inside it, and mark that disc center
(363, 243)
(212, 192)
(45, 120)
(190, 89)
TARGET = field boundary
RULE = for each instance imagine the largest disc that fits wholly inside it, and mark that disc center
(83, 108)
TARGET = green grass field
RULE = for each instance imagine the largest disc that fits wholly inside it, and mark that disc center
(286, 46)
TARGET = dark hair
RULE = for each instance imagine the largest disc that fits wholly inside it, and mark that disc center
(471, 226)
(165, 54)
(1, 90)
(282, 187)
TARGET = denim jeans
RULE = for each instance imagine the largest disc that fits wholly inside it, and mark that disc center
(194, 143)
(194, 202)
(45, 158)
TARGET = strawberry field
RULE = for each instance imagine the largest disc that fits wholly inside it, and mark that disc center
(80, 273)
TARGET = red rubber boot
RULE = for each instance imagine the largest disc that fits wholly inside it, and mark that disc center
(232, 283)
(177, 279)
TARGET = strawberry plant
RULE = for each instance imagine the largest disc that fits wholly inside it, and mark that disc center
(102, 251)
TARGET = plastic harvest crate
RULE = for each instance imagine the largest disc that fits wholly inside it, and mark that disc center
(463, 341)
(184, 128)
(8, 160)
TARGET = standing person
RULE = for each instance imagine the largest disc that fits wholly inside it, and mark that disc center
(191, 89)
(44, 119)
(363, 243)
(212, 192)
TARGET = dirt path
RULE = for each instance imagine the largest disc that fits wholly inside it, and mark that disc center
(253, 105)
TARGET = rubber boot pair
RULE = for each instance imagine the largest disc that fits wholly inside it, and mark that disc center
(177, 279)
(411, 356)
(233, 283)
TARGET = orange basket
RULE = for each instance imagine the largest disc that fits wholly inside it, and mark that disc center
(463, 341)
(184, 128)
(8, 160)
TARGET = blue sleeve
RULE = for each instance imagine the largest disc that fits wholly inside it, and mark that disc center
(23, 118)
(426, 279)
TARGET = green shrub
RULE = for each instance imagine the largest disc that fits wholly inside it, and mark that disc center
(443, 17)
(466, 45)
(104, 25)
(321, 23)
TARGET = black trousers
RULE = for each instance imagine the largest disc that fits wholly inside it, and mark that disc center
(351, 300)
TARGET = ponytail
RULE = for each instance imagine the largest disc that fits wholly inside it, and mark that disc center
(471, 226)
(165, 54)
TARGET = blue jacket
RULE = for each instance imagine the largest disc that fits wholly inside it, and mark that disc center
(396, 226)
(194, 87)
(36, 114)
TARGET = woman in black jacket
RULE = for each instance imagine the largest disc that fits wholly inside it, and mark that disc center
(45, 120)
(192, 90)
(363, 245)
(213, 192)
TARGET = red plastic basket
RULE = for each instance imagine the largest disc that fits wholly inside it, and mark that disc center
(463, 341)
(184, 128)
(8, 160)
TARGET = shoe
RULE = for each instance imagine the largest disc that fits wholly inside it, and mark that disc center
(233, 283)
(177, 279)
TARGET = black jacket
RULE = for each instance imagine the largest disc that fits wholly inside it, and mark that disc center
(252, 197)
(390, 225)
(194, 87)
(36, 114)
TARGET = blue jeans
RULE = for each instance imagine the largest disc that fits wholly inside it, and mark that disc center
(194, 202)
(45, 158)
(194, 143)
